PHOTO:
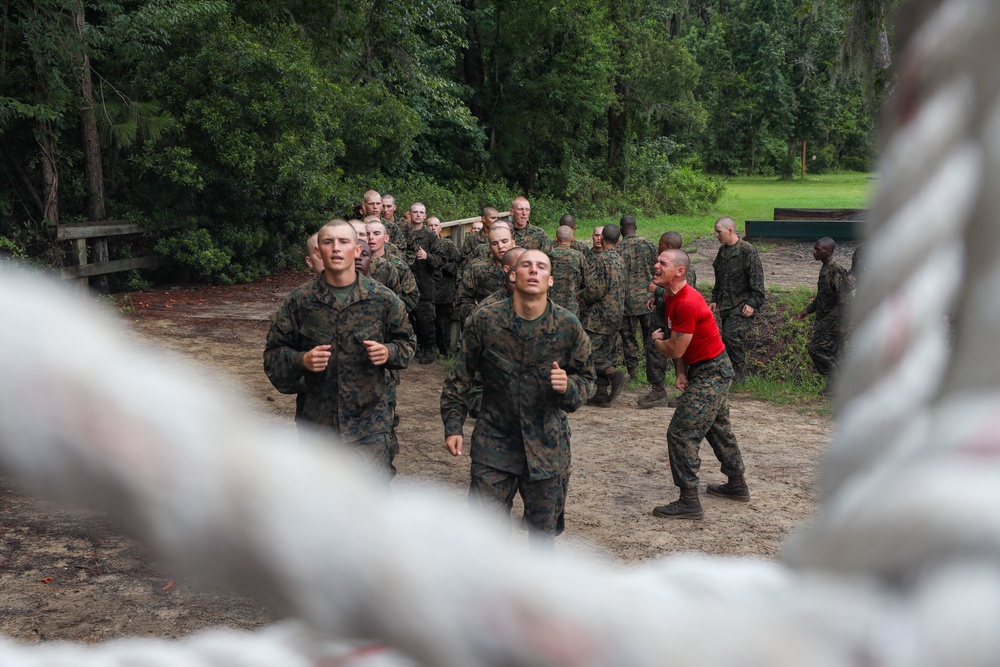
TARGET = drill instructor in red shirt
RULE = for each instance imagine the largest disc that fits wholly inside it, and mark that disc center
(704, 374)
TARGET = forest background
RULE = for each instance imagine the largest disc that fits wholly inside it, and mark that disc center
(246, 124)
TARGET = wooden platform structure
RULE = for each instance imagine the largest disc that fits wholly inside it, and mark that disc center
(809, 224)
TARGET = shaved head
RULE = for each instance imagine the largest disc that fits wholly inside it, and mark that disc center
(564, 234)
(510, 257)
(568, 220)
(726, 223)
(671, 240)
(827, 243)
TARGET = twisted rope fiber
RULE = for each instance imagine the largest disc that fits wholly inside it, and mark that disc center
(900, 567)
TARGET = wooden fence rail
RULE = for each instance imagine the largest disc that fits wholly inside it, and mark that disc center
(98, 232)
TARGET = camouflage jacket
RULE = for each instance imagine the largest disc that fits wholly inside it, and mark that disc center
(399, 235)
(479, 280)
(830, 297)
(532, 238)
(568, 267)
(604, 293)
(496, 297)
(522, 425)
(470, 247)
(424, 270)
(639, 255)
(580, 247)
(590, 255)
(407, 283)
(349, 396)
(403, 285)
(739, 277)
(446, 278)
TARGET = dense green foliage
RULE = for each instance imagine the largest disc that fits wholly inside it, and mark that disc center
(250, 122)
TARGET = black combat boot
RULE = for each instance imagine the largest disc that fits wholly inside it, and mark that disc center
(686, 507)
(601, 398)
(735, 489)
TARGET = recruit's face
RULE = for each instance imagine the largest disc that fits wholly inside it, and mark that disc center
(533, 273)
(389, 207)
(520, 211)
(372, 205)
(377, 236)
(596, 239)
(434, 225)
(500, 242)
(417, 215)
(338, 247)
(363, 261)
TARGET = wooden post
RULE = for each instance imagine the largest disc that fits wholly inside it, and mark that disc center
(803, 158)
(81, 260)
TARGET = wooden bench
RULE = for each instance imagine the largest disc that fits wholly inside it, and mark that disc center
(809, 224)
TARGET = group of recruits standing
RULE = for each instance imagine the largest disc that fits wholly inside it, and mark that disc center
(542, 326)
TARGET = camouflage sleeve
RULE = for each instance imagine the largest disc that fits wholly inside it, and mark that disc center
(755, 277)
(580, 373)
(399, 337)
(811, 306)
(436, 254)
(452, 259)
(716, 288)
(459, 380)
(408, 290)
(465, 299)
(282, 356)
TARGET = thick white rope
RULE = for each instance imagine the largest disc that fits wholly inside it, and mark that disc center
(902, 566)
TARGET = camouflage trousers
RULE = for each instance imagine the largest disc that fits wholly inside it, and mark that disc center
(630, 345)
(606, 354)
(544, 500)
(825, 343)
(703, 412)
(377, 452)
(734, 332)
(656, 367)
(422, 318)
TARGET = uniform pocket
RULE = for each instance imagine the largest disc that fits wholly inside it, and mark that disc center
(500, 362)
(371, 332)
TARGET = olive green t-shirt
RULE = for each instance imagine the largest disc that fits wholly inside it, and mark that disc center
(341, 294)
(528, 326)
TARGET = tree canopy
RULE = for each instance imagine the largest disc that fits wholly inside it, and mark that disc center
(250, 122)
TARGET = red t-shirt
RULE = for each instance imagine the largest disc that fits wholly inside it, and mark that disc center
(687, 313)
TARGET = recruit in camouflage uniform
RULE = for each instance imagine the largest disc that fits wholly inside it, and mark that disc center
(527, 235)
(521, 441)
(426, 271)
(349, 396)
(383, 271)
(445, 289)
(827, 337)
(470, 247)
(532, 238)
(639, 255)
(568, 272)
(479, 280)
(738, 292)
(703, 408)
(603, 298)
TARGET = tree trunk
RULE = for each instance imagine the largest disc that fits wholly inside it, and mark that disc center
(50, 173)
(92, 165)
(617, 135)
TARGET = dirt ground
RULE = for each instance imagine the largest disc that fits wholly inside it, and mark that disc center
(71, 574)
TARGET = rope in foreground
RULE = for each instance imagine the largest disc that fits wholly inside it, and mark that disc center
(902, 566)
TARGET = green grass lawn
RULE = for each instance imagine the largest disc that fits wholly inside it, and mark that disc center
(754, 198)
